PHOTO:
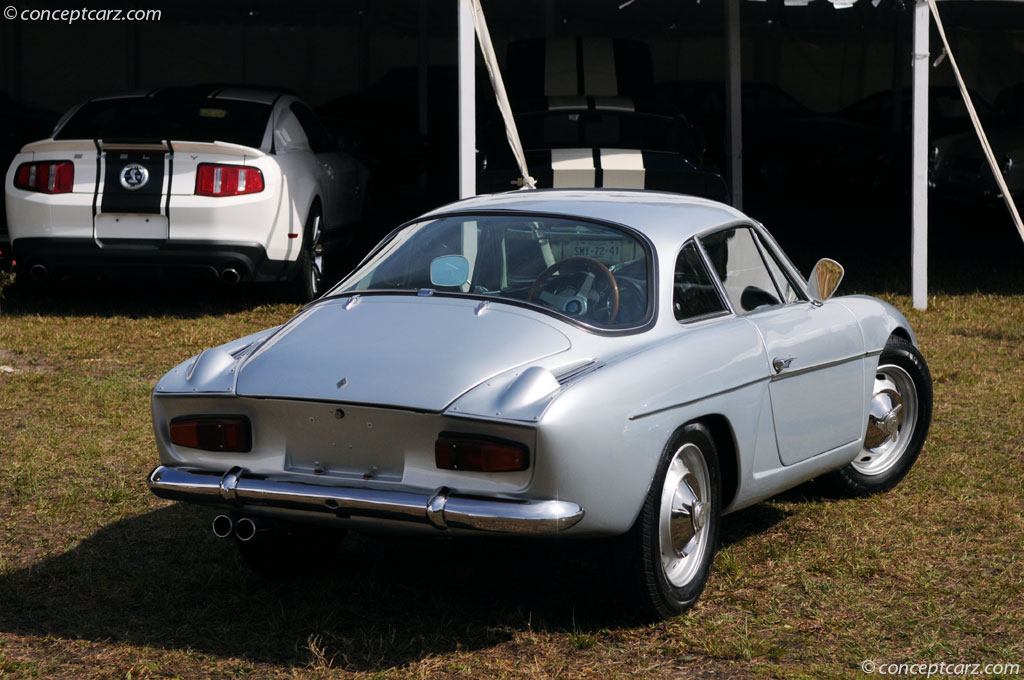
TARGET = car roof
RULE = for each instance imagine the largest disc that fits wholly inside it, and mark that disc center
(259, 95)
(662, 216)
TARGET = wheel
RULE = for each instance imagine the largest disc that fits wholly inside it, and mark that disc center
(899, 414)
(280, 551)
(574, 298)
(308, 282)
(675, 537)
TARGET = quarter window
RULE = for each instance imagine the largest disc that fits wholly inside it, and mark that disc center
(737, 261)
(785, 284)
(693, 291)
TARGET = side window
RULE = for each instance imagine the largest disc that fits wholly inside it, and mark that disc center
(320, 141)
(693, 292)
(790, 293)
(738, 263)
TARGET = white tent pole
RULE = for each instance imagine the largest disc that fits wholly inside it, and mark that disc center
(733, 101)
(919, 178)
(422, 65)
(467, 101)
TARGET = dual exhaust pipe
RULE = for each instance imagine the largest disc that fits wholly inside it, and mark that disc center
(245, 529)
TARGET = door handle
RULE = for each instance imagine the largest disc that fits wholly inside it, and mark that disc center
(780, 364)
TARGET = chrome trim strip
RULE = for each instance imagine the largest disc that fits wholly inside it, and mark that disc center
(817, 367)
(771, 378)
(442, 509)
(694, 401)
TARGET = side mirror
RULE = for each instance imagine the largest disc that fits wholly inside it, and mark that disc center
(449, 271)
(824, 279)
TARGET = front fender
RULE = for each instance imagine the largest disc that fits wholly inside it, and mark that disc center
(878, 319)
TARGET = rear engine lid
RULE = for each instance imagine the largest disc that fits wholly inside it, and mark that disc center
(409, 352)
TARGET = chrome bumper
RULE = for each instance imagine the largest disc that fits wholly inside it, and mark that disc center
(442, 509)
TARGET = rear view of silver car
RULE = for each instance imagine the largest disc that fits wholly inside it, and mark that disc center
(185, 183)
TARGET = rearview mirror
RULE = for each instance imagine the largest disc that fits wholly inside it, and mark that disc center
(449, 271)
(824, 279)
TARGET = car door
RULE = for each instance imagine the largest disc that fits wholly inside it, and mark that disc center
(814, 353)
(342, 205)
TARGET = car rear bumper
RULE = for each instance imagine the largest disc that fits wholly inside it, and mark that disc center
(442, 508)
(150, 258)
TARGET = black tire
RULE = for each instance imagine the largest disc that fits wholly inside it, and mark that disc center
(893, 441)
(308, 282)
(670, 584)
(281, 551)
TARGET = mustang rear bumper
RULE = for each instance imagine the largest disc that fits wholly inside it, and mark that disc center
(442, 509)
(171, 260)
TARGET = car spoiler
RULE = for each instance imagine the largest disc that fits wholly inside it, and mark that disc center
(222, 148)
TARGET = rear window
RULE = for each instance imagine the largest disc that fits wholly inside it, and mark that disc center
(190, 119)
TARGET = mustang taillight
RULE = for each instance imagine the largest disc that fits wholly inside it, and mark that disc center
(215, 179)
(213, 433)
(49, 177)
(480, 454)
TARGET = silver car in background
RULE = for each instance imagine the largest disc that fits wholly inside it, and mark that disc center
(585, 363)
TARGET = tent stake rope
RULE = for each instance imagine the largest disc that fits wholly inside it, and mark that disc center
(498, 85)
(977, 124)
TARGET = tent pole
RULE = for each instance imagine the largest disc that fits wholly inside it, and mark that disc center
(733, 101)
(919, 182)
(467, 101)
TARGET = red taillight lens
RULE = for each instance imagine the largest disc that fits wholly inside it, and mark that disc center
(49, 177)
(216, 433)
(480, 454)
(214, 179)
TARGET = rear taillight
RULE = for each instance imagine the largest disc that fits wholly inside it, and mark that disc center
(49, 177)
(214, 179)
(212, 433)
(480, 454)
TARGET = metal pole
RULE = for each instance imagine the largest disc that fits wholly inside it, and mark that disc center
(467, 101)
(733, 101)
(919, 181)
(423, 54)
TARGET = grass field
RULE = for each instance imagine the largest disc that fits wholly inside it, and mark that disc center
(99, 579)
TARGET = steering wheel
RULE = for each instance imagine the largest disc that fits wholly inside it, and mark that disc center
(576, 303)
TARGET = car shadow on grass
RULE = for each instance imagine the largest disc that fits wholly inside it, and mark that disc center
(161, 579)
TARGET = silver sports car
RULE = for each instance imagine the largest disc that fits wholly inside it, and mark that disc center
(584, 363)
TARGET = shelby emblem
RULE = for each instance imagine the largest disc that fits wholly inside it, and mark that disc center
(134, 176)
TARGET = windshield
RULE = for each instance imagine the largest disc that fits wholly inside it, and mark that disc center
(591, 273)
(181, 118)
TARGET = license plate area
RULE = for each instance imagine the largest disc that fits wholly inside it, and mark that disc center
(602, 251)
(131, 226)
(363, 443)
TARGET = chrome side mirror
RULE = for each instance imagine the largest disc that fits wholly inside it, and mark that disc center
(824, 279)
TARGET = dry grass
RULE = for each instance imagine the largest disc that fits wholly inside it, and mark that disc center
(99, 579)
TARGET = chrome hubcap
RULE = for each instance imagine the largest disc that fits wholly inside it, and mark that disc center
(316, 256)
(683, 520)
(892, 417)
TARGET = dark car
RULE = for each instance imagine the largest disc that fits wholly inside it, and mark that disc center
(786, 146)
(959, 170)
(381, 125)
